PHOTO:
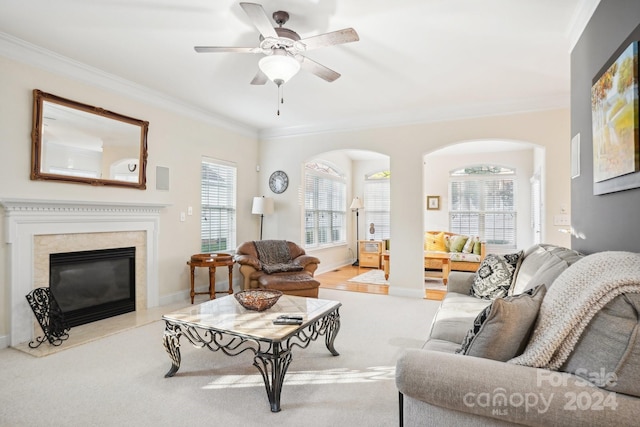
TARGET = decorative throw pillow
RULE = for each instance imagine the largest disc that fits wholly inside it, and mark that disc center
(456, 243)
(447, 243)
(468, 247)
(501, 331)
(434, 242)
(477, 247)
(495, 274)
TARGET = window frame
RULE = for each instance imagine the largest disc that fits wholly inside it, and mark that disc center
(377, 210)
(323, 175)
(227, 212)
(484, 175)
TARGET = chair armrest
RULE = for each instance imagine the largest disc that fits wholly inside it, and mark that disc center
(508, 392)
(460, 282)
(248, 260)
(304, 260)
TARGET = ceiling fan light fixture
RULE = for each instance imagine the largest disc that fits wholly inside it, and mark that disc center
(279, 67)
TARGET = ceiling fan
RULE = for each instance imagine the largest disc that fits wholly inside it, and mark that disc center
(283, 48)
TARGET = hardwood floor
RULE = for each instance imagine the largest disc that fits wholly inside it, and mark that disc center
(338, 279)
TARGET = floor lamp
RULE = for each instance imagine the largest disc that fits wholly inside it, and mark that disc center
(356, 205)
(262, 206)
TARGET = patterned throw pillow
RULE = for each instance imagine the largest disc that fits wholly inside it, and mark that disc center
(468, 247)
(501, 331)
(495, 275)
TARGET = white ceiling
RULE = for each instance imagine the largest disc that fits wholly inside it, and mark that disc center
(416, 61)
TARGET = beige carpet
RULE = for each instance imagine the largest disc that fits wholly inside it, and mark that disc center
(373, 276)
(119, 380)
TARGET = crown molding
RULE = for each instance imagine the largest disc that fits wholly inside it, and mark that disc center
(413, 117)
(579, 21)
(30, 54)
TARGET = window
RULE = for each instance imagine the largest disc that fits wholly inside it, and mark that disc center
(218, 199)
(325, 205)
(482, 203)
(377, 204)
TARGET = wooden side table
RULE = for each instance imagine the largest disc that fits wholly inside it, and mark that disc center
(210, 261)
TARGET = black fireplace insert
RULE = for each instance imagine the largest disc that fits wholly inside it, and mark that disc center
(93, 285)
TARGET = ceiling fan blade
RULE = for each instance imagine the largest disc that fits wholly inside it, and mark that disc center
(260, 19)
(319, 70)
(260, 78)
(216, 49)
(346, 35)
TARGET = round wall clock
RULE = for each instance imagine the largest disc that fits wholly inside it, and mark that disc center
(278, 182)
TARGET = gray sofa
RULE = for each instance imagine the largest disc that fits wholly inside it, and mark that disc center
(438, 386)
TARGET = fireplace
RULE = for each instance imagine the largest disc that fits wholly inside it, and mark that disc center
(93, 285)
(34, 229)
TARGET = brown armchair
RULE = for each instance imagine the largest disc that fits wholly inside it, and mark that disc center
(253, 269)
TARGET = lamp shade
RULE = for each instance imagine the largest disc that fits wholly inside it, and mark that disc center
(262, 206)
(356, 204)
(279, 67)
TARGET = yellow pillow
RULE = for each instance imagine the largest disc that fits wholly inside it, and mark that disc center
(434, 242)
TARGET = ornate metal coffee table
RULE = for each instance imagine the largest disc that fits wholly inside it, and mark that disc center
(223, 324)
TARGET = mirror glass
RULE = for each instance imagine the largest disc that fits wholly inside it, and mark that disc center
(75, 142)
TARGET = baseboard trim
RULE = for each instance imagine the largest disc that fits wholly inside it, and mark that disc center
(185, 295)
(4, 341)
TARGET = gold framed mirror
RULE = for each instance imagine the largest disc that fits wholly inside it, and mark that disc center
(75, 142)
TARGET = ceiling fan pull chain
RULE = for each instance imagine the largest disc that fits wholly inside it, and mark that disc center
(278, 100)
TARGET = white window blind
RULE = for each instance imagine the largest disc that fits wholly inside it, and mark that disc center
(324, 206)
(377, 204)
(484, 206)
(218, 205)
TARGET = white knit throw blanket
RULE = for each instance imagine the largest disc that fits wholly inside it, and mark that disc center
(573, 300)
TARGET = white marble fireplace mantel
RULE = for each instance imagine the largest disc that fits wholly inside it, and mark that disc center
(25, 219)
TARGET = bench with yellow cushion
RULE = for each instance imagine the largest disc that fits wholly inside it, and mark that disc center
(465, 252)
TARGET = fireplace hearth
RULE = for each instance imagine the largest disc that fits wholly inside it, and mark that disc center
(93, 285)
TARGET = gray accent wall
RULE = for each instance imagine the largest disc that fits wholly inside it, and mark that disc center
(609, 221)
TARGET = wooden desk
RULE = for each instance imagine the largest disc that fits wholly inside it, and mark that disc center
(210, 261)
(432, 260)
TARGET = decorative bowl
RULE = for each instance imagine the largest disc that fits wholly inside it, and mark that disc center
(258, 299)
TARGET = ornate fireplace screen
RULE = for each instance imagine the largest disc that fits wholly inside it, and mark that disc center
(49, 316)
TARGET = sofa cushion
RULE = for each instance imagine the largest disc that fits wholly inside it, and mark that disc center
(501, 331)
(455, 316)
(546, 275)
(495, 275)
(608, 352)
(462, 257)
(542, 263)
(434, 242)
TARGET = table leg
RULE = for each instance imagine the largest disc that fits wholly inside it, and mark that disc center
(273, 367)
(385, 266)
(332, 330)
(446, 269)
(230, 279)
(171, 341)
(212, 282)
(193, 273)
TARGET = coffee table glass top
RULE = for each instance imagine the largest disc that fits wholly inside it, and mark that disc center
(227, 315)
